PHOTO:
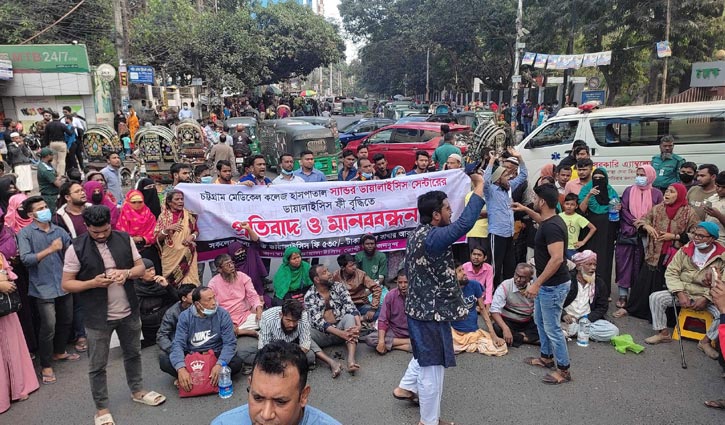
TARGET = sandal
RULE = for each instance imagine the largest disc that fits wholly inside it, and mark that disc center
(557, 377)
(68, 358)
(621, 302)
(81, 345)
(716, 404)
(106, 419)
(538, 361)
(337, 371)
(151, 398)
(413, 397)
(352, 368)
(49, 379)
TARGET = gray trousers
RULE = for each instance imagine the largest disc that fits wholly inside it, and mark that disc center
(324, 339)
(660, 301)
(128, 330)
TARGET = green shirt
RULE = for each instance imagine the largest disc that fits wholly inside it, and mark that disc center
(667, 170)
(442, 153)
(374, 266)
(46, 179)
(574, 224)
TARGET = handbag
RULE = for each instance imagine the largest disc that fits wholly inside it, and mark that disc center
(199, 366)
(10, 303)
(632, 240)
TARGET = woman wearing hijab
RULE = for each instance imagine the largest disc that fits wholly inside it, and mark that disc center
(176, 232)
(594, 201)
(17, 374)
(9, 249)
(96, 195)
(548, 170)
(13, 219)
(398, 170)
(97, 176)
(247, 259)
(150, 195)
(667, 226)
(7, 189)
(293, 276)
(637, 200)
(139, 222)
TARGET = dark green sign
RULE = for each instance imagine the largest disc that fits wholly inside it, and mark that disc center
(47, 57)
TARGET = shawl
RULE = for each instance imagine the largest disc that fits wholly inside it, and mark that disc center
(290, 279)
(137, 222)
(179, 262)
(683, 221)
(640, 197)
(13, 218)
(8, 244)
(92, 186)
(606, 192)
(150, 195)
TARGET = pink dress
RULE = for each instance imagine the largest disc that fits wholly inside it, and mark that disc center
(17, 375)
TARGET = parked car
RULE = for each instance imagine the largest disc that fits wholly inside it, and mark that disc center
(400, 141)
(358, 129)
(413, 118)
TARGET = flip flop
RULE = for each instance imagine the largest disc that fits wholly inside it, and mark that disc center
(81, 346)
(151, 398)
(413, 397)
(49, 379)
(537, 361)
(337, 371)
(104, 419)
(74, 357)
(716, 404)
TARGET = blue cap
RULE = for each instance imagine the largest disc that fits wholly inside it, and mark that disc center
(711, 228)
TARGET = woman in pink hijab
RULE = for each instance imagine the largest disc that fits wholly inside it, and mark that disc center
(96, 195)
(637, 200)
(13, 218)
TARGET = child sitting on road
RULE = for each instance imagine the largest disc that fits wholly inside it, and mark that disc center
(575, 222)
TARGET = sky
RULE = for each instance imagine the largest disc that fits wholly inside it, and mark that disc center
(331, 11)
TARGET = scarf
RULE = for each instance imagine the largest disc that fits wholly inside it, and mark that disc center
(150, 196)
(606, 193)
(291, 279)
(93, 186)
(680, 202)
(13, 218)
(5, 194)
(601, 184)
(581, 258)
(137, 222)
(640, 197)
(547, 170)
(179, 262)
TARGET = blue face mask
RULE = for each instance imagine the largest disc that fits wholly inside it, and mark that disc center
(206, 180)
(367, 175)
(640, 181)
(209, 312)
(44, 216)
(286, 173)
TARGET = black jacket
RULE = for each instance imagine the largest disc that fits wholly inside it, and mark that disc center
(55, 131)
(600, 305)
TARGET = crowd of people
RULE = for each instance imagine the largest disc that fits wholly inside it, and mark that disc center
(538, 259)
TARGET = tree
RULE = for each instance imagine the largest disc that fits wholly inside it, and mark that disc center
(299, 40)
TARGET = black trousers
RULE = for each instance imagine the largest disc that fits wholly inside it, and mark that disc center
(502, 258)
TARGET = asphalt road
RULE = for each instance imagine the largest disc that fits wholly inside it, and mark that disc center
(607, 387)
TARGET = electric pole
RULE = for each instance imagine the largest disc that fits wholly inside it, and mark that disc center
(427, 75)
(667, 39)
(516, 79)
(121, 44)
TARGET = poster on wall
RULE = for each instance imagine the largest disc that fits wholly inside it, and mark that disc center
(541, 61)
(102, 100)
(528, 58)
(30, 110)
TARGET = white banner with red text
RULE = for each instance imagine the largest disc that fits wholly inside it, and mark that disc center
(322, 219)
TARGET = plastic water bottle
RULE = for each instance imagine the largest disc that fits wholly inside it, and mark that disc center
(614, 210)
(582, 336)
(225, 382)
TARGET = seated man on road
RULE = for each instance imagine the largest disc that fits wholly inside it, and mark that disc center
(155, 296)
(167, 331)
(333, 316)
(587, 298)
(467, 336)
(202, 327)
(359, 285)
(278, 391)
(512, 312)
(392, 331)
(373, 262)
(688, 277)
(235, 293)
(291, 323)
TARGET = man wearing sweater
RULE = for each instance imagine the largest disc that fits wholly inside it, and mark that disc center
(201, 328)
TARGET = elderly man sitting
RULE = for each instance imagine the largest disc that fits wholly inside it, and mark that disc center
(688, 278)
(392, 331)
(587, 298)
(512, 312)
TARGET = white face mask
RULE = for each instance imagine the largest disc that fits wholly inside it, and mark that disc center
(702, 245)
(640, 181)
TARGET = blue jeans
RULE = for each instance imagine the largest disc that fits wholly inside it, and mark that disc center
(547, 315)
(363, 309)
(570, 253)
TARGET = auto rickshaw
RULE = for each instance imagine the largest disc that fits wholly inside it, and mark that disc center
(157, 149)
(348, 107)
(330, 122)
(192, 142)
(295, 136)
(361, 105)
(100, 140)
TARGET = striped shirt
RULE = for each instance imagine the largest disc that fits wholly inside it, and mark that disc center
(270, 329)
(511, 303)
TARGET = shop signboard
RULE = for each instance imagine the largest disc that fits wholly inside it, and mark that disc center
(138, 74)
(58, 58)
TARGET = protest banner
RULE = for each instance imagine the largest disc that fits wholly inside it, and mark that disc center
(322, 219)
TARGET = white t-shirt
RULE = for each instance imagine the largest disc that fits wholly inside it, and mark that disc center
(699, 258)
